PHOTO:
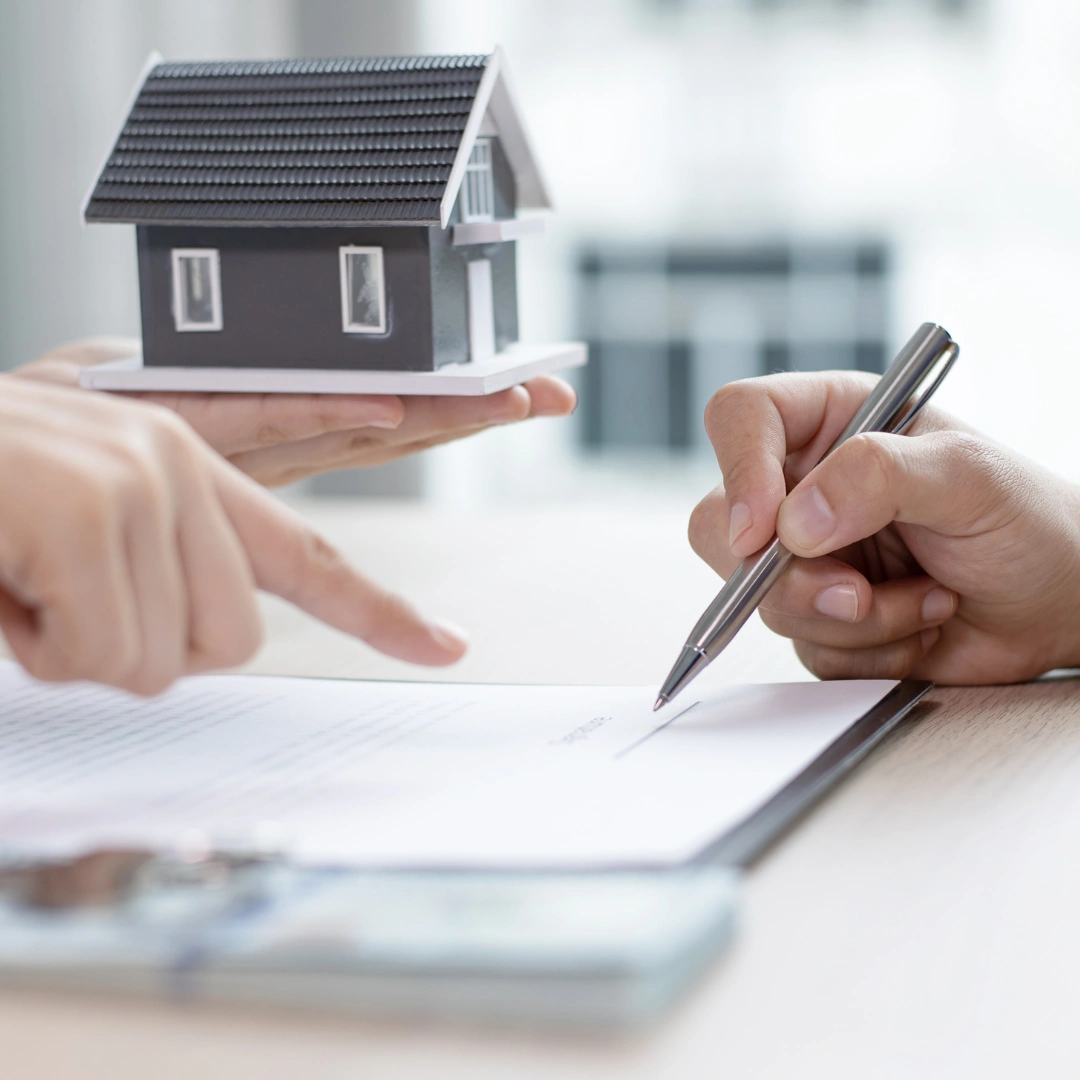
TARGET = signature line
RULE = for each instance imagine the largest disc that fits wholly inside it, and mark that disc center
(645, 738)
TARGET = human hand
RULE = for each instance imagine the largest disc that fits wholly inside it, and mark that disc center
(130, 552)
(280, 438)
(937, 555)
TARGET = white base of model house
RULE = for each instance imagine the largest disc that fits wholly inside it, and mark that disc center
(509, 368)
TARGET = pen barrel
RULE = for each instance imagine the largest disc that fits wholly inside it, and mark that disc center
(738, 600)
(892, 405)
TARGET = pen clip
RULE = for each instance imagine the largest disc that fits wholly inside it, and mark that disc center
(942, 366)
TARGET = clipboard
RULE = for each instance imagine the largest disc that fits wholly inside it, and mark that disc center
(549, 949)
(749, 841)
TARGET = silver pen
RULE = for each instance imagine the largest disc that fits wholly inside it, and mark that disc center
(893, 404)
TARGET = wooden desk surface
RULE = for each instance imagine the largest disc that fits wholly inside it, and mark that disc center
(923, 922)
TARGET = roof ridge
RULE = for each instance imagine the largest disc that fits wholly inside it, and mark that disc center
(329, 66)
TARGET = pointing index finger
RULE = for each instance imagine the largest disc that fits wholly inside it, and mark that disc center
(291, 560)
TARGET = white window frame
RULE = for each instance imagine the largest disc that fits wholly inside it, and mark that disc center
(479, 176)
(347, 326)
(183, 326)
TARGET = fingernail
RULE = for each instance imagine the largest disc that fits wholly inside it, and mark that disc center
(740, 520)
(806, 518)
(553, 408)
(937, 606)
(387, 422)
(449, 635)
(928, 638)
(839, 602)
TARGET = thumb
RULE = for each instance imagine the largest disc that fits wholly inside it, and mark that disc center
(291, 560)
(948, 481)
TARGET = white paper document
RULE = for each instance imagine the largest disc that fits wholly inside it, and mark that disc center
(406, 774)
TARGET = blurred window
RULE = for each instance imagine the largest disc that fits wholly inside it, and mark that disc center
(667, 326)
(478, 190)
(942, 7)
(363, 291)
(196, 280)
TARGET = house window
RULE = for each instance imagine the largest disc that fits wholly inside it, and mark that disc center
(478, 190)
(363, 291)
(196, 282)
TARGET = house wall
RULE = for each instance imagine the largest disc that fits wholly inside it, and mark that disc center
(449, 300)
(281, 299)
(449, 275)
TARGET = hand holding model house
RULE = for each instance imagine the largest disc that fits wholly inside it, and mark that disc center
(281, 438)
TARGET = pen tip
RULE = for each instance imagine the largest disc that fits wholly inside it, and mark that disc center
(661, 701)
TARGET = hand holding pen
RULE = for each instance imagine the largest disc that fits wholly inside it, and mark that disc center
(939, 554)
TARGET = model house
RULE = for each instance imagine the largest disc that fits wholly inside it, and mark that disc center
(309, 216)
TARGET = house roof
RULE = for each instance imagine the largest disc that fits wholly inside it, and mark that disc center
(380, 141)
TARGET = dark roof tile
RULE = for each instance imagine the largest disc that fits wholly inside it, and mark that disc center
(252, 159)
(290, 142)
(440, 142)
(278, 175)
(454, 123)
(420, 212)
(273, 192)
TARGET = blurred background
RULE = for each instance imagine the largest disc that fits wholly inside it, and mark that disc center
(742, 186)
